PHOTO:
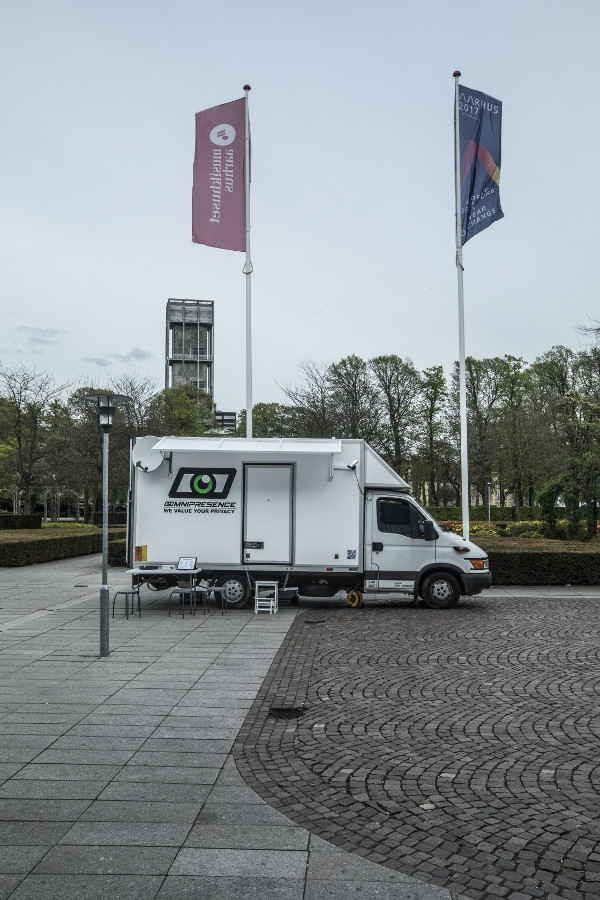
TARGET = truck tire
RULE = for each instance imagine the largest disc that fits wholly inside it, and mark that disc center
(236, 590)
(440, 590)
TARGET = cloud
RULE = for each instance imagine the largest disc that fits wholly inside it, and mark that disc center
(97, 360)
(134, 355)
(41, 337)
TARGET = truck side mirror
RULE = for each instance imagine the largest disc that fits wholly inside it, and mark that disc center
(428, 530)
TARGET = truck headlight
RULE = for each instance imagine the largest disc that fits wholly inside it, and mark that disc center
(480, 563)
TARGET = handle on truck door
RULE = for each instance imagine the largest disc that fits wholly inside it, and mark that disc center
(377, 546)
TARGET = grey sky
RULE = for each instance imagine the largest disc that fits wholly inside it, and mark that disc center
(352, 193)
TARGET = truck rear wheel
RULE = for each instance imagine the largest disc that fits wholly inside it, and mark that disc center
(236, 590)
(440, 590)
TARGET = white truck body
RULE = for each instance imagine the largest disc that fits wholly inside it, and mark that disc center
(320, 515)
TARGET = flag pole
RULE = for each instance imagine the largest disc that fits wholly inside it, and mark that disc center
(464, 453)
(248, 272)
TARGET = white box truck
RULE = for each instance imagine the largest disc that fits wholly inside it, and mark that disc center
(317, 516)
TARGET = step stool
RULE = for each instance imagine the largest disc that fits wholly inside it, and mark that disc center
(264, 604)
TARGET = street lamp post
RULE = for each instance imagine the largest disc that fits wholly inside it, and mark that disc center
(105, 406)
(489, 499)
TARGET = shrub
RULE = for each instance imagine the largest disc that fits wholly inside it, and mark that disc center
(26, 551)
(523, 529)
(114, 518)
(7, 520)
(52, 542)
(545, 562)
(117, 553)
(479, 513)
(475, 529)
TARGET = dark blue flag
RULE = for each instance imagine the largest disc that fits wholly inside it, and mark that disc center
(480, 122)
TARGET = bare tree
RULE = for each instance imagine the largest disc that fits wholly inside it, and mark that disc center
(317, 416)
(592, 330)
(141, 389)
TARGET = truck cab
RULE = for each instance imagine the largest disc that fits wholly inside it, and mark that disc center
(407, 551)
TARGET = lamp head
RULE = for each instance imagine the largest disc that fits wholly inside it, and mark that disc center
(105, 406)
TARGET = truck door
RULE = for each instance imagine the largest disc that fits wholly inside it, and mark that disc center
(397, 550)
(268, 514)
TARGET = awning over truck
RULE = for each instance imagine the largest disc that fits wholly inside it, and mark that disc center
(247, 445)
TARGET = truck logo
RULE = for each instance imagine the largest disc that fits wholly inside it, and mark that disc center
(196, 483)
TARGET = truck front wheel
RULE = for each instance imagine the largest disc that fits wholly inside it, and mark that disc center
(236, 590)
(440, 590)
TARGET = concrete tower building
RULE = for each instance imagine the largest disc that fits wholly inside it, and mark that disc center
(189, 344)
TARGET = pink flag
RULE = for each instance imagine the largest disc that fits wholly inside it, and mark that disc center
(218, 194)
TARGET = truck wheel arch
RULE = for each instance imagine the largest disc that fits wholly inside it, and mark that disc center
(440, 590)
(444, 569)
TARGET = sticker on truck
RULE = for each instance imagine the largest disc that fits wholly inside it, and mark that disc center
(194, 483)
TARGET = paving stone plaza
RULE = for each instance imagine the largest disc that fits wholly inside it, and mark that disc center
(387, 752)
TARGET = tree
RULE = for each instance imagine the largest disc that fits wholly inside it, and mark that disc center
(30, 393)
(8, 455)
(355, 399)
(141, 390)
(516, 433)
(432, 429)
(177, 411)
(487, 386)
(270, 420)
(569, 388)
(73, 452)
(397, 384)
(315, 410)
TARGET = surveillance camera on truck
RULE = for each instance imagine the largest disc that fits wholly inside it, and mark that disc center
(317, 516)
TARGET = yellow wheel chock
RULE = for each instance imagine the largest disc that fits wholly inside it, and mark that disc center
(354, 599)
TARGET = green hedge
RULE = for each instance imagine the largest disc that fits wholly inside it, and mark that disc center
(117, 552)
(114, 518)
(27, 550)
(533, 568)
(8, 520)
(39, 550)
(533, 561)
(479, 513)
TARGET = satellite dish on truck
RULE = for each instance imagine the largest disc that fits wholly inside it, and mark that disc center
(144, 456)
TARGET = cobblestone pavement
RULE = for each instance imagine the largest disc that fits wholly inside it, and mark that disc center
(458, 747)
